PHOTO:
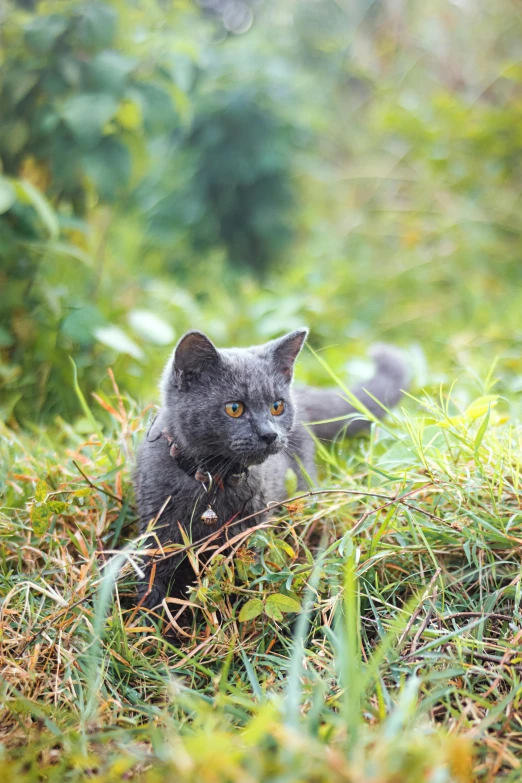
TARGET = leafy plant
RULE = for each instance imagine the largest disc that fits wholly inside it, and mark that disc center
(77, 114)
(349, 657)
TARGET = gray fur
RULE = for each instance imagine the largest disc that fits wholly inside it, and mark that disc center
(384, 389)
(197, 383)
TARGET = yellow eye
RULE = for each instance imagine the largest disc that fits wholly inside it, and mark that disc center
(234, 409)
(277, 408)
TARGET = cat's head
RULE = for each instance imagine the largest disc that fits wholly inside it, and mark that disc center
(232, 403)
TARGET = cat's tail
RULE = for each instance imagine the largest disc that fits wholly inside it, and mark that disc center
(384, 388)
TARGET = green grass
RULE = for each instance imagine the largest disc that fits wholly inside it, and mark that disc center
(402, 664)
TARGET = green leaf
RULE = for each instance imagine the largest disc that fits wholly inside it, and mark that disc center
(42, 32)
(151, 327)
(158, 110)
(129, 115)
(28, 194)
(273, 611)
(108, 71)
(109, 167)
(481, 406)
(80, 325)
(115, 338)
(86, 116)
(251, 609)
(82, 493)
(283, 603)
(41, 491)
(7, 195)
(57, 506)
(23, 84)
(67, 249)
(96, 25)
(40, 515)
(15, 135)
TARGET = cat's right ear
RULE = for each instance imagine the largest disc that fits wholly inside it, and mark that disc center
(286, 350)
(194, 353)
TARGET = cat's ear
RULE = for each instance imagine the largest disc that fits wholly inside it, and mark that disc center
(286, 350)
(194, 353)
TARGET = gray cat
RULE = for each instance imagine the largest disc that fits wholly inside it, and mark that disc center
(230, 427)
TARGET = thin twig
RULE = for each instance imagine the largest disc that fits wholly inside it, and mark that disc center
(475, 614)
(492, 658)
(99, 489)
(421, 630)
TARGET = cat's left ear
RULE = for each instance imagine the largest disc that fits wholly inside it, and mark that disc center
(286, 350)
(193, 354)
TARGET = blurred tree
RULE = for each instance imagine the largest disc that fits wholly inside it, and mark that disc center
(79, 103)
(238, 194)
(243, 178)
(74, 106)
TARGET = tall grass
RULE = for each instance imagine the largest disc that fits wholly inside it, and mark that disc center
(402, 664)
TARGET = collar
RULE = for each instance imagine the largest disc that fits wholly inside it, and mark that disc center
(235, 474)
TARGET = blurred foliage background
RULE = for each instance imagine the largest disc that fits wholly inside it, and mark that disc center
(246, 167)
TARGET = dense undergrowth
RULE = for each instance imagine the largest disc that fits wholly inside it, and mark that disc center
(402, 663)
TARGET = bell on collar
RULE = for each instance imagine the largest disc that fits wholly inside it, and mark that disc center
(209, 517)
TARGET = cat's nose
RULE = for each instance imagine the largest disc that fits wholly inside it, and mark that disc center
(268, 436)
